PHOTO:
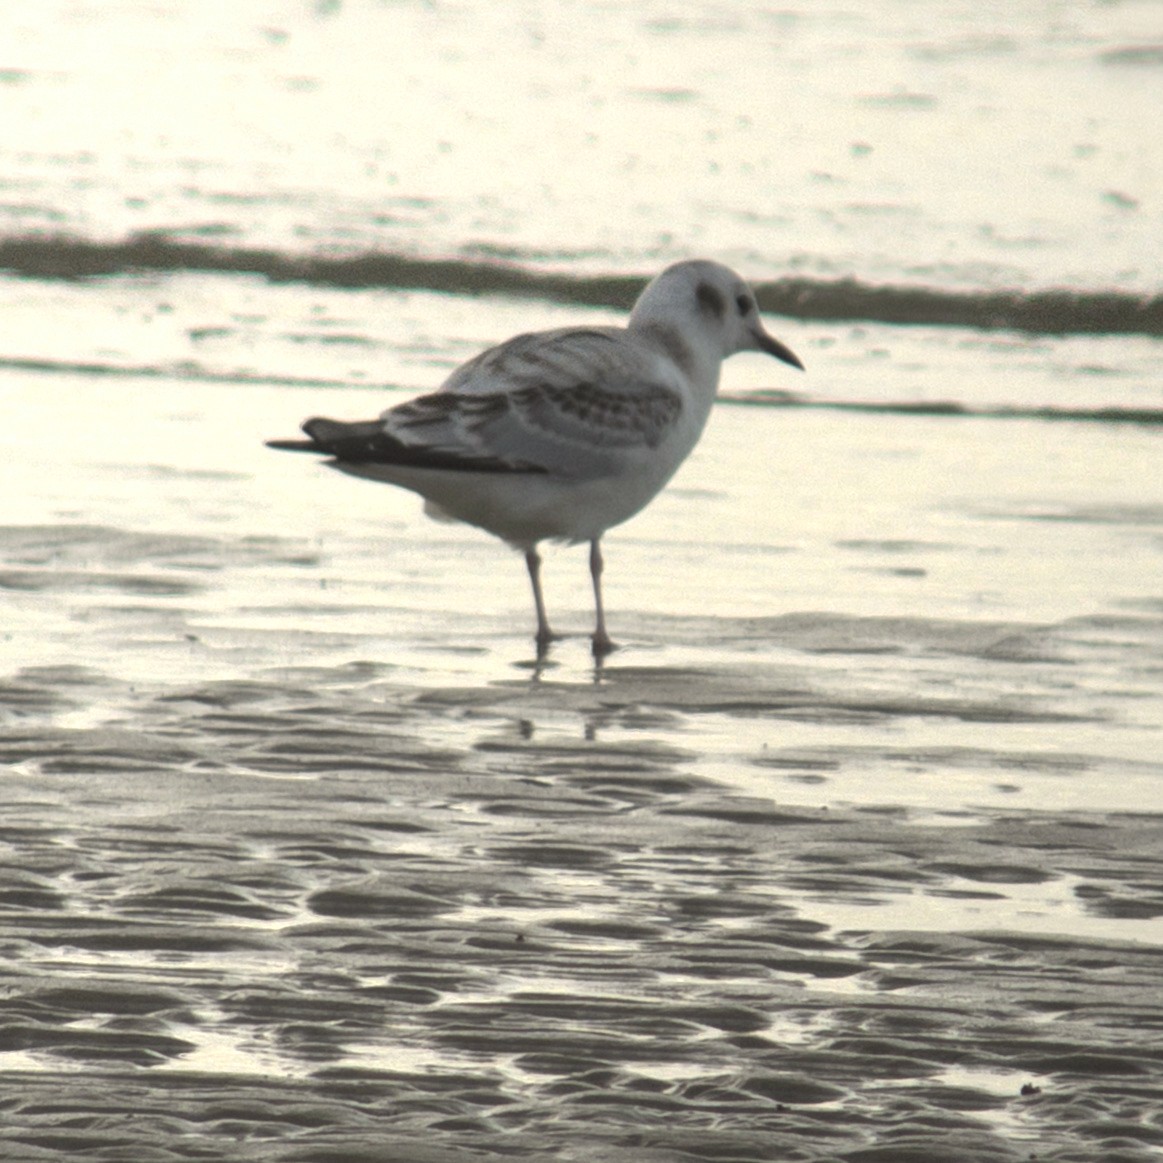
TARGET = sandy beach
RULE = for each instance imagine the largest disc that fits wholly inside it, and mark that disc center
(315, 915)
(307, 859)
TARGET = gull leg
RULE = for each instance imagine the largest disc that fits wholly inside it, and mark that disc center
(544, 634)
(602, 643)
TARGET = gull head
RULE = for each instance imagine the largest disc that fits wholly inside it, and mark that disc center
(709, 306)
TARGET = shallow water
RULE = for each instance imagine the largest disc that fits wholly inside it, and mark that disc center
(304, 856)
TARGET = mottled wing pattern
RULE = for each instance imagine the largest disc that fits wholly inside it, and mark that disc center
(563, 400)
(638, 414)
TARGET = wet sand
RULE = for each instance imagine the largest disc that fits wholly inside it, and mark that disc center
(318, 916)
(305, 860)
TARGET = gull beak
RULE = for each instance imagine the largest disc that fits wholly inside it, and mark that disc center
(773, 346)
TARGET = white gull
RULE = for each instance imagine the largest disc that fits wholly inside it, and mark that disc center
(560, 435)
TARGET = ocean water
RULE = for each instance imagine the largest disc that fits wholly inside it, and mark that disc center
(969, 146)
(858, 831)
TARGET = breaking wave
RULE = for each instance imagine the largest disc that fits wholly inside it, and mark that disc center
(1055, 311)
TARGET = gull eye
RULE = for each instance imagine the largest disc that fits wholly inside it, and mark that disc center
(745, 304)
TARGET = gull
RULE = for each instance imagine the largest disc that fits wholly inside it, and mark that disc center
(560, 435)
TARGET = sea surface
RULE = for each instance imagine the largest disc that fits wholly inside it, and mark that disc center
(852, 851)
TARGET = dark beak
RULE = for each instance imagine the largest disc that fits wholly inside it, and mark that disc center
(773, 346)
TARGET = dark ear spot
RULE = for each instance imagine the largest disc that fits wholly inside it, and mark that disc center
(710, 300)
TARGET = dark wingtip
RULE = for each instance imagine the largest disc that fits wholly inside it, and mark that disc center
(324, 435)
(367, 442)
(294, 445)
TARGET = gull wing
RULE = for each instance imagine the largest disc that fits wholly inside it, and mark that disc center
(574, 402)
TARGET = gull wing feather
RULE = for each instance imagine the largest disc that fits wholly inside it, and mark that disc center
(562, 356)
